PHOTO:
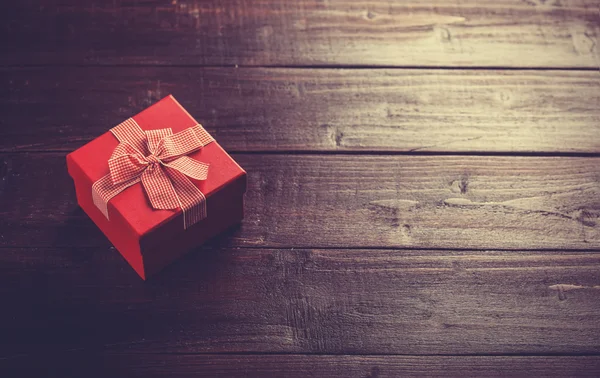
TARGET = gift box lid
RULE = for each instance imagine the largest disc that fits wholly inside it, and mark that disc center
(132, 204)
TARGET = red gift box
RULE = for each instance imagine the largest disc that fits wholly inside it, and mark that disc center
(148, 238)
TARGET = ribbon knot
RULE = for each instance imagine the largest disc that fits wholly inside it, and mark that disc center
(157, 159)
(152, 159)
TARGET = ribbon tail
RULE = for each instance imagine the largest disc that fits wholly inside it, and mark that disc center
(159, 189)
(104, 190)
(193, 201)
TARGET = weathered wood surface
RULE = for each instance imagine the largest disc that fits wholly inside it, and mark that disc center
(351, 201)
(302, 301)
(368, 249)
(506, 33)
(314, 109)
(77, 364)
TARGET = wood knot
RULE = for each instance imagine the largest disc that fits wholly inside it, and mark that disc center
(3, 169)
(374, 373)
(338, 136)
(460, 185)
(443, 34)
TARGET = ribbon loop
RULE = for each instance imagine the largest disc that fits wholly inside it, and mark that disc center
(158, 159)
(124, 168)
(190, 167)
(154, 140)
(130, 132)
(125, 163)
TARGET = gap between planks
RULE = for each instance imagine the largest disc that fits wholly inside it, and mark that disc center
(284, 152)
(292, 354)
(208, 248)
(307, 67)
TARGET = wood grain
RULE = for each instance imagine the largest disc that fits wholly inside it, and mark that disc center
(302, 301)
(76, 364)
(368, 249)
(314, 109)
(507, 33)
(351, 201)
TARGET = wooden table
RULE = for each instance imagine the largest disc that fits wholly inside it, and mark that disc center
(424, 188)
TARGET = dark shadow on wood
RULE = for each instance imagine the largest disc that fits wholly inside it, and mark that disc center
(199, 263)
(89, 299)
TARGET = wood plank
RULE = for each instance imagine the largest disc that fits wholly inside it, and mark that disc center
(347, 200)
(508, 33)
(231, 366)
(314, 109)
(302, 301)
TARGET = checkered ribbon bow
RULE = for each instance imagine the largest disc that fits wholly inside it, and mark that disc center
(158, 159)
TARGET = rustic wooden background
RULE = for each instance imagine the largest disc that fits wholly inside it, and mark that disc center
(424, 188)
